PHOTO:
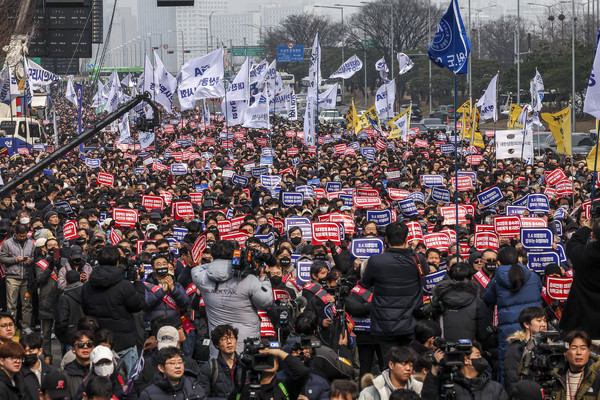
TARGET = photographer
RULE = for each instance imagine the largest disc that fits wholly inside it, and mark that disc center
(75, 261)
(469, 381)
(232, 294)
(164, 296)
(112, 299)
(583, 250)
(579, 379)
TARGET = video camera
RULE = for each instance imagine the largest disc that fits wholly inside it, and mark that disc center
(249, 261)
(454, 351)
(541, 356)
(251, 359)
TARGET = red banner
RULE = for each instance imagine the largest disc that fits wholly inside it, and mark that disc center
(533, 222)
(324, 231)
(182, 209)
(565, 188)
(239, 237)
(366, 202)
(552, 178)
(224, 226)
(486, 240)
(105, 179)
(367, 192)
(153, 202)
(397, 194)
(438, 240)
(125, 217)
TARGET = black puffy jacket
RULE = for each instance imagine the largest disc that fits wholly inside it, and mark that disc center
(480, 388)
(68, 312)
(112, 300)
(224, 382)
(146, 378)
(397, 290)
(161, 389)
(10, 391)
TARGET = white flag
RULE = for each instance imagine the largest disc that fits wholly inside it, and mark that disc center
(112, 99)
(257, 115)
(202, 78)
(239, 89)
(278, 83)
(9, 90)
(165, 84)
(314, 69)
(293, 112)
(591, 104)
(537, 91)
(99, 99)
(403, 124)
(128, 81)
(258, 72)
(347, 69)
(385, 98)
(205, 116)
(487, 102)
(270, 76)
(383, 69)
(109, 82)
(309, 122)
(38, 76)
(124, 129)
(328, 98)
(405, 64)
(146, 139)
(282, 101)
(70, 94)
(148, 76)
(234, 111)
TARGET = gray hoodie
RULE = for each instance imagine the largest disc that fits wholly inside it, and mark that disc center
(232, 300)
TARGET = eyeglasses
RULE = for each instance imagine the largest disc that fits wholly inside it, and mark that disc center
(162, 248)
(478, 261)
(229, 338)
(14, 359)
(175, 363)
(81, 345)
(7, 325)
(490, 260)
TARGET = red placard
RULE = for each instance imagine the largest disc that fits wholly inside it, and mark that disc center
(277, 224)
(508, 225)
(474, 160)
(484, 228)
(414, 232)
(182, 209)
(333, 195)
(292, 151)
(167, 197)
(237, 222)
(533, 222)
(489, 133)
(464, 183)
(320, 193)
(421, 143)
(550, 191)
(198, 248)
(347, 220)
(324, 231)
(239, 237)
(552, 178)
(169, 129)
(397, 194)
(224, 226)
(558, 288)
(367, 192)
(437, 240)
(486, 240)
(564, 188)
(70, 230)
(105, 179)
(125, 216)
(196, 197)
(449, 214)
(153, 202)
(366, 202)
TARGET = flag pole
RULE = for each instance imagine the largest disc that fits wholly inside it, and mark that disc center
(594, 174)
(317, 81)
(12, 122)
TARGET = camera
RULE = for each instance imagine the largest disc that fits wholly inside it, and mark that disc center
(454, 351)
(252, 360)
(595, 209)
(541, 356)
(249, 261)
(131, 270)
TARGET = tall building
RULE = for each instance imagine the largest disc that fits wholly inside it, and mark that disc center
(238, 29)
(156, 28)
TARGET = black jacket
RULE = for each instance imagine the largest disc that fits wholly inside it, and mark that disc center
(48, 287)
(360, 310)
(480, 388)
(117, 380)
(581, 311)
(30, 379)
(68, 312)
(75, 372)
(18, 391)
(112, 299)
(512, 359)
(147, 376)
(465, 315)
(161, 389)
(397, 291)
(224, 382)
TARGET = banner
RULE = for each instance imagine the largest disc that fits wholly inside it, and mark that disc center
(105, 179)
(380, 217)
(450, 46)
(490, 197)
(70, 230)
(182, 209)
(560, 126)
(509, 226)
(327, 99)
(486, 240)
(202, 78)
(537, 261)
(257, 115)
(367, 247)
(440, 241)
(438, 194)
(289, 199)
(432, 180)
(125, 217)
(38, 76)
(558, 288)
(239, 89)
(324, 231)
(537, 203)
(537, 238)
(153, 202)
(348, 69)
(509, 144)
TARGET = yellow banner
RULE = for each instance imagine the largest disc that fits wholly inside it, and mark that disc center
(560, 126)
(351, 117)
(513, 117)
(396, 132)
(363, 121)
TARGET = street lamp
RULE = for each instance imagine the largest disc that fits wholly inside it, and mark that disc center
(364, 51)
(182, 46)
(210, 28)
(479, 10)
(343, 39)
(206, 31)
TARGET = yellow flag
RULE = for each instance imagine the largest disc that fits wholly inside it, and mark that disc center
(363, 121)
(591, 158)
(396, 131)
(466, 106)
(351, 117)
(560, 126)
(513, 117)
(477, 139)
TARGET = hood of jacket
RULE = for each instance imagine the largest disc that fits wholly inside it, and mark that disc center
(165, 384)
(475, 384)
(219, 270)
(72, 286)
(456, 294)
(105, 276)
(502, 276)
(518, 336)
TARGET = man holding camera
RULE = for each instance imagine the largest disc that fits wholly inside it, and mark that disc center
(469, 378)
(112, 299)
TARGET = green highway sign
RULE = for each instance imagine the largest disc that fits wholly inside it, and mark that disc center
(260, 42)
(369, 42)
(243, 51)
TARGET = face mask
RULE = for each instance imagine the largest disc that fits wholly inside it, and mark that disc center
(507, 180)
(30, 205)
(323, 208)
(80, 241)
(490, 266)
(104, 370)
(210, 243)
(162, 271)
(432, 219)
(275, 280)
(322, 282)
(296, 240)
(24, 221)
(480, 364)
(528, 171)
(320, 256)
(143, 226)
(285, 262)
(93, 223)
(569, 235)
(30, 359)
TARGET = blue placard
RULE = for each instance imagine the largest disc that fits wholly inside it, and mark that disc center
(490, 196)
(238, 180)
(295, 161)
(537, 261)
(348, 199)
(407, 206)
(289, 199)
(179, 233)
(287, 54)
(270, 181)
(515, 210)
(561, 252)
(433, 279)
(303, 271)
(103, 216)
(39, 147)
(184, 142)
(267, 152)
(472, 174)
(537, 203)
(417, 196)
(521, 201)
(368, 151)
(229, 213)
(439, 194)
(314, 181)
(64, 207)
(441, 137)
(266, 161)
(367, 247)
(354, 145)
(536, 238)
(258, 171)
(295, 221)
(306, 190)
(268, 239)
(447, 148)
(138, 171)
(432, 180)
(558, 227)
(92, 162)
(179, 169)
(202, 187)
(560, 213)
(328, 140)
(380, 217)
(333, 186)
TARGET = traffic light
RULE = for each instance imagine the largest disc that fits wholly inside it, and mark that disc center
(170, 52)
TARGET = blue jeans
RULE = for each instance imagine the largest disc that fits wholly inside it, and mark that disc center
(129, 357)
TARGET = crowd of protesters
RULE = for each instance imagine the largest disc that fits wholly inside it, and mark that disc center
(212, 281)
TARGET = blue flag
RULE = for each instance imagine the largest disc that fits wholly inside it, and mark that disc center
(450, 47)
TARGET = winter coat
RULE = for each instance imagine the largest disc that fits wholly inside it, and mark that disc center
(510, 304)
(231, 299)
(512, 359)
(18, 391)
(117, 381)
(62, 273)
(224, 382)
(480, 388)
(30, 379)
(154, 304)
(382, 387)
(316, 388)
(581, 310)
(113, 300)
(465, 315)
(589, 389)
(9, 251)
(162, 389)
(75, 372)
(48, 292)
(360, 311)
(146, 378)
(397, 290)
(68, 312)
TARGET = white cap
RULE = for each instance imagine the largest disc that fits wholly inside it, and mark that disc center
(101, 353)
(167, 336)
